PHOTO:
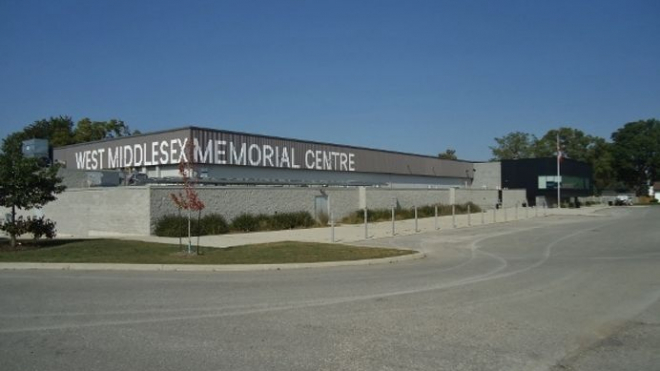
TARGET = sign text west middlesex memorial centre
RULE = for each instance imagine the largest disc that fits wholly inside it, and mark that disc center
(213, 151)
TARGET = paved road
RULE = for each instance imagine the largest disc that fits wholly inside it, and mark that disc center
(556, 293)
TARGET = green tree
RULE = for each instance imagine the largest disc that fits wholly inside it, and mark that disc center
(602, 161)
(24, 184)
(574, 143)
(189, 200)
(448, 154)
(87, 130)
(514, 146)
(636, 152)
(60, 131)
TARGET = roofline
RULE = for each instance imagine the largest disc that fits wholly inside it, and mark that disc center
(554, 158)
(123, 137)
(259, 135)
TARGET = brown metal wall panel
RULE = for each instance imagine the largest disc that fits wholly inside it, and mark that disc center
(252, 150)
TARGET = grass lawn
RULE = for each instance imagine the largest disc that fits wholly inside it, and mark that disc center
(123, 251)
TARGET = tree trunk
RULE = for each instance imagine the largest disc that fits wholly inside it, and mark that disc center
(180, 232)
(12, 234)
(199, 230)
(189, 236)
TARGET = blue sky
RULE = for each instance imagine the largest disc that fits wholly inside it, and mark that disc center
(411, 76)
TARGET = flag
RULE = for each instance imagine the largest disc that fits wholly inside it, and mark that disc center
(560, 154)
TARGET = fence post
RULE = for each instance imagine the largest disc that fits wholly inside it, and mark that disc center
(436, 217)
(516, 213)
(469, 216)
(366, 230)
(416, 229)
(393, 221)
(332, 227)
(453, 215)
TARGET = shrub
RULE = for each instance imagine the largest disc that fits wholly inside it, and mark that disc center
(173, 226)
(353, 218)
(213, 224)
(249, 223)
(291, 220)
(262, 222)
(177, 225)
(323, 219)
(426, 211)
(18, 228)
(38, 227)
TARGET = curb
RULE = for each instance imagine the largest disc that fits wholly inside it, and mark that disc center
(203, 267)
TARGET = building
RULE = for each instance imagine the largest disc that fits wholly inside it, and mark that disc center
(239, 173)
(224, 157)
(538, 176)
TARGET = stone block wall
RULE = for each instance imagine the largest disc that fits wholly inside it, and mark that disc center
(484, 198)
(99, 211)
(513, 197)
(487, 175)
(135, 210)
(384, 198)
(231, 202)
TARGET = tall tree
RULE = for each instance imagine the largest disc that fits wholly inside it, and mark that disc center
(602, 161)
(87, 130)
(448, 154)
(575, 144)
(60, 131)
(514, 146)
(189, 200)
(636, 152)
(24, 184)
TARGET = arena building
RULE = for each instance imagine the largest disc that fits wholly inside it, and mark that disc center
(225, 157)
(239, 173)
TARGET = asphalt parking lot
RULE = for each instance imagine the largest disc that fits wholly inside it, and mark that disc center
(569, 292)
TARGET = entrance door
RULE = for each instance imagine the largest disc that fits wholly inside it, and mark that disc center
(321, 211)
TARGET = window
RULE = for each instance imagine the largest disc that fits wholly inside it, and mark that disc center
(567, 182)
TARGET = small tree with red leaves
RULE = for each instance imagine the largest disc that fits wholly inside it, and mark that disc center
(188, 199)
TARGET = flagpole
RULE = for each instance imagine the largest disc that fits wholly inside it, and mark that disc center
(558, 173)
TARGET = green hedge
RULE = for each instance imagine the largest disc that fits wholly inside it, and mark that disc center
(300, 219)
(177, 226)
(276, 222)
(214, 224)
(426, 211)
(249, 223)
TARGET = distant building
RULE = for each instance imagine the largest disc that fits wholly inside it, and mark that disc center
(538, 176)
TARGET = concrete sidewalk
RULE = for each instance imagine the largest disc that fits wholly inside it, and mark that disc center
(342, 234)
(356, 232)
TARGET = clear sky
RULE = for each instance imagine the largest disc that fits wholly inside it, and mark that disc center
(411, 76)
